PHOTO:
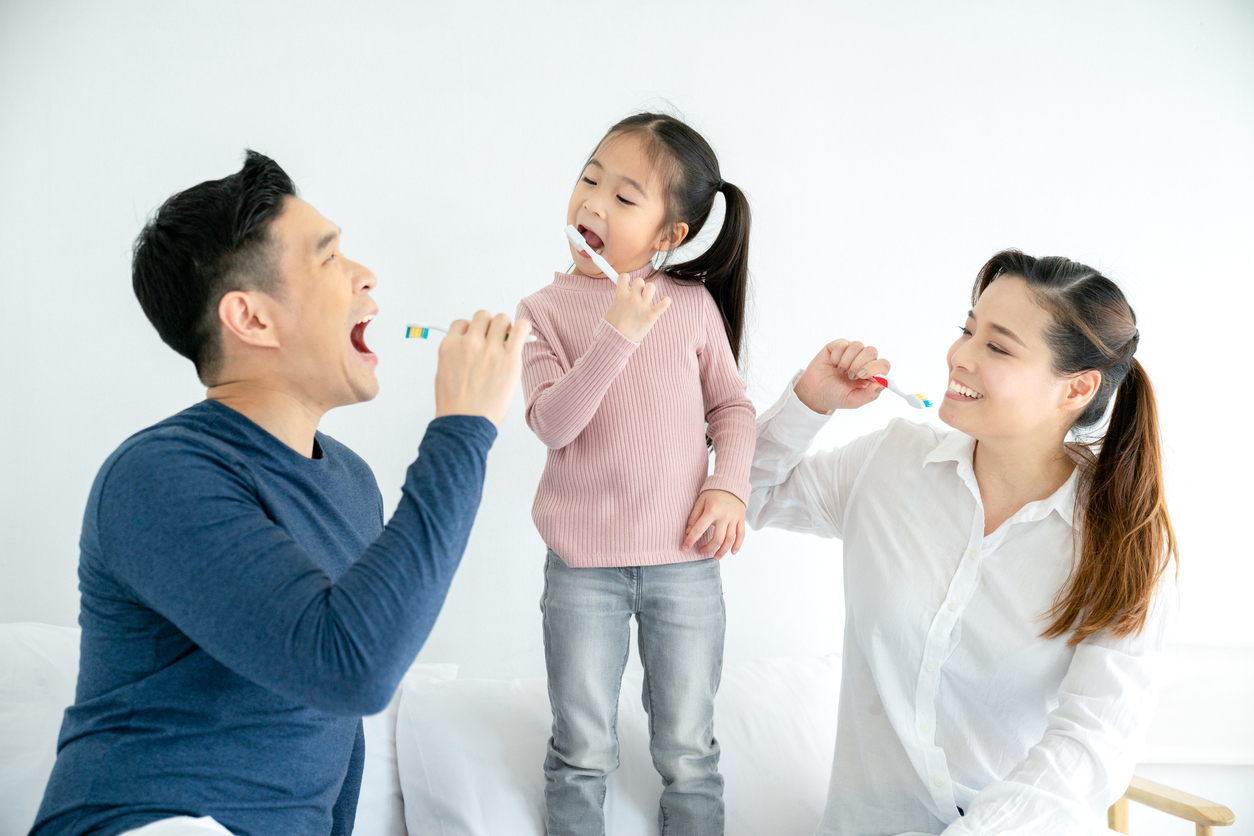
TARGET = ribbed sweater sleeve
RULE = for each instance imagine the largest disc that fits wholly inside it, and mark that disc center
(730, 417)
(560, 401)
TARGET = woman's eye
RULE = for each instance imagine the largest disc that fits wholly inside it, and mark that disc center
(964, 330)
(331, 257)
(589, 181)
(997, 350)
(625, 200)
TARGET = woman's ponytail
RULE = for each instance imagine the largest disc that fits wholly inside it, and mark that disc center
(1126, 541)
(724, 267)
(692, 181)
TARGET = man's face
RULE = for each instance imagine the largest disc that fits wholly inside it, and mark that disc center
(323, 309)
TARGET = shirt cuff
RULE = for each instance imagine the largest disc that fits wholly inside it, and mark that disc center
(790, 422)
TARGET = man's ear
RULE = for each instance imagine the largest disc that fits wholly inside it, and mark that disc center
(671, 238)
(247, 317)
(1081, 390)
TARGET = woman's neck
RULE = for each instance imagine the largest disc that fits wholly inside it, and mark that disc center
(1013, 472)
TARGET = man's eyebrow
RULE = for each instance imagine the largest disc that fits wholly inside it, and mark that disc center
(1000, 329)
(326, 240)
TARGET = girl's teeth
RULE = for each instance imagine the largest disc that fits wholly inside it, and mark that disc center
(954, 386)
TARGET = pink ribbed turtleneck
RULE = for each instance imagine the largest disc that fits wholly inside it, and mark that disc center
(625, 423)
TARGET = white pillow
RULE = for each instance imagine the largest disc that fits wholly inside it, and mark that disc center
(470, 752)
(38, 674)
(380, 811)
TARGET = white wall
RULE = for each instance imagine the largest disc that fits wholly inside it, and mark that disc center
(889, 149)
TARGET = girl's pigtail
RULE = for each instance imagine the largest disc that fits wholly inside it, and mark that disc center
(724, 267)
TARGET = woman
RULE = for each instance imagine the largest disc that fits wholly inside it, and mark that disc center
(1005, 590)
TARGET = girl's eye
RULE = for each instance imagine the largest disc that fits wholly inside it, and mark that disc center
(625, 200)
(997, 350)
(964, 330)
(589, 181)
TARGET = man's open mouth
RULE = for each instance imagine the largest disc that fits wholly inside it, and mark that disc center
(594, 240)
(358, 335)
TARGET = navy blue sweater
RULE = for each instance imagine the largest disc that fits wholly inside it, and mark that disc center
(242, 608)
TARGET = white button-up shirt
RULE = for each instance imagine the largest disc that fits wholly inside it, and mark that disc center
(950, 697)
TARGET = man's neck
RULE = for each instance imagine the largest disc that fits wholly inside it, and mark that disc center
(285, 416)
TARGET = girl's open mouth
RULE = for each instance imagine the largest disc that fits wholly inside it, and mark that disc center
(594, 240)
(358, 335)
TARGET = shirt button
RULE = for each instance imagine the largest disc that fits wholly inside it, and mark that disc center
(940, 782)
(923, 727)
(972, 555)
(953, 607)
(931, 667)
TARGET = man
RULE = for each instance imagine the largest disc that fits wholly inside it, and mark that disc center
(243, 603)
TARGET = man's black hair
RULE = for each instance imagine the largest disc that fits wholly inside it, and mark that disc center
(203, 243)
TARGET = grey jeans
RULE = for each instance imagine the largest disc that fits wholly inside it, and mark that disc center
(681, 623)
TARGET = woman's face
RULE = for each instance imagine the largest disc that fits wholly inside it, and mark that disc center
(1002, 383)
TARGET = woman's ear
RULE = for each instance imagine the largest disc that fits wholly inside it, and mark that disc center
(1081, 390)
(671, 238)
(246, 317)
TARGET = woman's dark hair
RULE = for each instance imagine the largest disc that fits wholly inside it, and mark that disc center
(1126, 538)
(200, 245)
(691, 181)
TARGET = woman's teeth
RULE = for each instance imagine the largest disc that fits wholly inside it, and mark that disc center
(955, 386)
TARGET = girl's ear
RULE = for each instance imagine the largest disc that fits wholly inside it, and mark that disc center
(668, 240)
(1081, 389)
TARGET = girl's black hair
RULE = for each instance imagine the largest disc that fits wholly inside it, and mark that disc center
(692, 180)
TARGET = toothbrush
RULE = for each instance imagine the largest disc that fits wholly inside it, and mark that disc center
(917, 401)
(581, 247)
(420, 332)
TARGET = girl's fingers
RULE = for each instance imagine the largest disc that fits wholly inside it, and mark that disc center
(697, 508)
(866, 355)
(647, 292)
(720, 533)
(699, 528)
(458, 327)
(740, 537)
(849, 355)
(878, 366)
(660, 307)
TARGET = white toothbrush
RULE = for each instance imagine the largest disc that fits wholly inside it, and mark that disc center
(581, 247)
(917, 401)
(420, 332)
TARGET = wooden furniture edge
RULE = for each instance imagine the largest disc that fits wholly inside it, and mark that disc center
(1179, 804)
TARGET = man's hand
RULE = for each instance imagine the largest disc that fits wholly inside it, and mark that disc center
(479, 369)
(839, 377)
(723, 511)
(632, 313)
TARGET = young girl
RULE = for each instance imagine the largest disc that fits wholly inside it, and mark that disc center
(1006, 592)
(624, 386)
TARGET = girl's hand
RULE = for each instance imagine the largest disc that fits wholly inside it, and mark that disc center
(632, 313)
(839, 377)
(723, 511)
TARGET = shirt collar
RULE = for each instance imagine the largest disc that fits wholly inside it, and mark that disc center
(959, 447)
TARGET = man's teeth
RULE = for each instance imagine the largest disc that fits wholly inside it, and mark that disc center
(365, 319)
(955, 386)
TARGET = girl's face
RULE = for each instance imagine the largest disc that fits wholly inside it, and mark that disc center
(1002, 383)
(618, 206)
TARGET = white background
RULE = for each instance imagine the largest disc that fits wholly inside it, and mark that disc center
(888, 150)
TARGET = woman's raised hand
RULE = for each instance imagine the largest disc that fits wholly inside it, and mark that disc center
(839, 377)
(632, 313)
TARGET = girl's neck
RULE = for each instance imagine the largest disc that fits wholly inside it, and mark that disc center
(1013, 472)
